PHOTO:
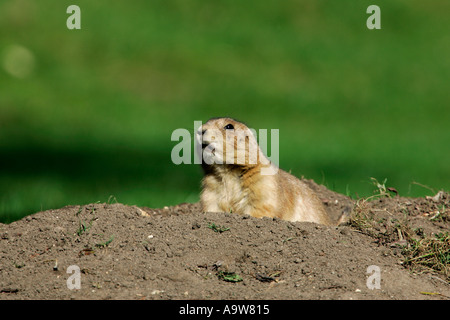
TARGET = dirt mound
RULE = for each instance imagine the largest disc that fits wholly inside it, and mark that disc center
(126, 252)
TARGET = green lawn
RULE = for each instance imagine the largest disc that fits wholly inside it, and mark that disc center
(93, 113)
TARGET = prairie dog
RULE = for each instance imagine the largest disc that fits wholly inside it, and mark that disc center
(239, 178)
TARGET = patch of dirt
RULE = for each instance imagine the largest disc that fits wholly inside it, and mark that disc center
(126, 252)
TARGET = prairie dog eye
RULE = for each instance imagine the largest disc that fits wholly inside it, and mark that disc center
(229, 127)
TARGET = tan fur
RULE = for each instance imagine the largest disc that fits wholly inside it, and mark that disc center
(244, 187)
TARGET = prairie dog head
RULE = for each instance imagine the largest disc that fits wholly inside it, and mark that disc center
(230, 142)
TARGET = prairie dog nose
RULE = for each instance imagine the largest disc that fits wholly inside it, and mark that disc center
(201, 131)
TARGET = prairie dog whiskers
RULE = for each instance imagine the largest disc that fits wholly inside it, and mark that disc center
(239, 178)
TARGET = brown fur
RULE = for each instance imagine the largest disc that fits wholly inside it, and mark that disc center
(242, 187)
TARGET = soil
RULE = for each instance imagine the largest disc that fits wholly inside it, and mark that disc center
(126, 252)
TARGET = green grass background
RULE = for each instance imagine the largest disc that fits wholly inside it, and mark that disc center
(95, 116)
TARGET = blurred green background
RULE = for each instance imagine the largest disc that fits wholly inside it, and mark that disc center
(86, 114)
